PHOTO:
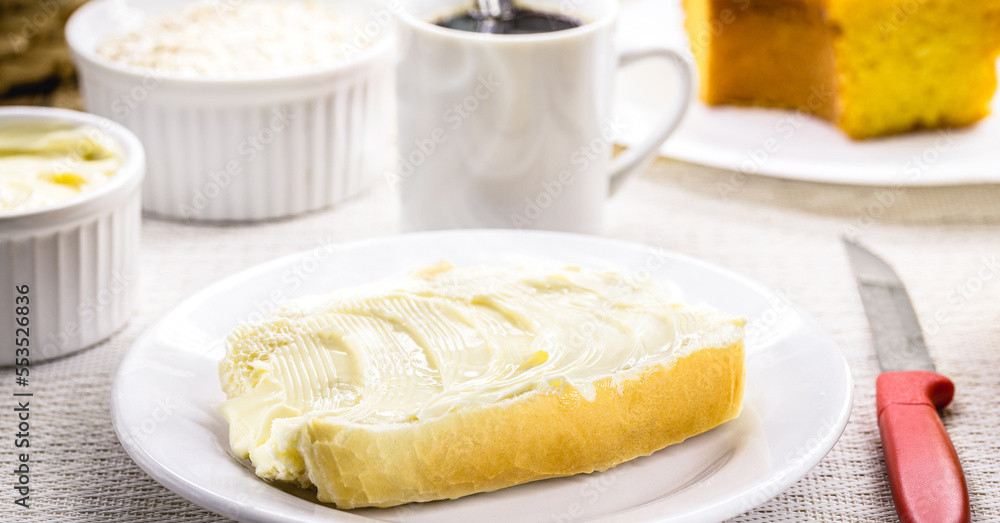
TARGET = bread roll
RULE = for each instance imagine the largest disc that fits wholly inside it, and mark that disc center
(455, 381)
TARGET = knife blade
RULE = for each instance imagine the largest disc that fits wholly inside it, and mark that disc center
(925, 474)
(899, 342)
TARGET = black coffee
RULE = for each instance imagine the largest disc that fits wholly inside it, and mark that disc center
(519, 21)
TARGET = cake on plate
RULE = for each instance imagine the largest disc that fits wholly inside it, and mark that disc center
(872, 67)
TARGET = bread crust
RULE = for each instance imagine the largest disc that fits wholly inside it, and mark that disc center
(537, 435)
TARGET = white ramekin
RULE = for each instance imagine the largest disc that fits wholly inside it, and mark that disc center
(77, 258)
(252, 147)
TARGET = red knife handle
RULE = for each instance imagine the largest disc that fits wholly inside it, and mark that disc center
(925, 476)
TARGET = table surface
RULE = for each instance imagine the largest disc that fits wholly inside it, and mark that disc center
(944, 243)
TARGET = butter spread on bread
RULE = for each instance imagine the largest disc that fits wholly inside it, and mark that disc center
(453, 381)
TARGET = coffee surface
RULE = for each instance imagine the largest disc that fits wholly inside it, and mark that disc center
(517, 21)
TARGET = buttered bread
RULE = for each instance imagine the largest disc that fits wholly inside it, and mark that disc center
(453, 381)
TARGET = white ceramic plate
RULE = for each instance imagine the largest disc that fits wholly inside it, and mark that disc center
(798, 395)
(777, 143)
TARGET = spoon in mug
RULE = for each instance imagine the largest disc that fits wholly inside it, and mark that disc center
(491, 13)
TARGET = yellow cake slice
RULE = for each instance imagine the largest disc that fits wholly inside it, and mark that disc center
(454, 381)
(872, 67)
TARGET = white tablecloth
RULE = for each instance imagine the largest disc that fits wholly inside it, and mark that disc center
(785, 234)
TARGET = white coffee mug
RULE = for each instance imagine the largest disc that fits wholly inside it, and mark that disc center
(515, 131)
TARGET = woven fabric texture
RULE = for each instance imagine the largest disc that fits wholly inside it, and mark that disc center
(785, 234)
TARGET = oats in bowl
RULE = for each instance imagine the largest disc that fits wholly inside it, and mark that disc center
(248, 109)
(213, 38)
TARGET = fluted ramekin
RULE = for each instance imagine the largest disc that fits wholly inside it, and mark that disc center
(250, 147)
(71, 267)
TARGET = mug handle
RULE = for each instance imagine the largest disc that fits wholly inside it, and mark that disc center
(632, 158)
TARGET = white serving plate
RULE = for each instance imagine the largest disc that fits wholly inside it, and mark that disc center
(810, 149)
(798, 395)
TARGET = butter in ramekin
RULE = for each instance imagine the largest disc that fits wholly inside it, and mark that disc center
(46, 163)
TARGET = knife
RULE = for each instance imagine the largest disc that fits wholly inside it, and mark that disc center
(925, 475)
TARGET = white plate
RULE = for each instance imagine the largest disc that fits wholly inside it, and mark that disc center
(806, 148)
(798, 395)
